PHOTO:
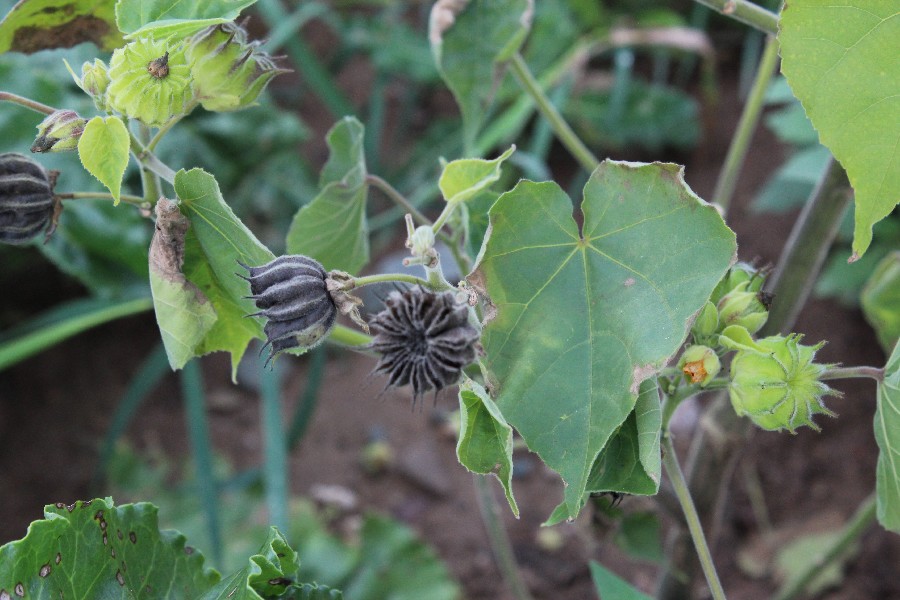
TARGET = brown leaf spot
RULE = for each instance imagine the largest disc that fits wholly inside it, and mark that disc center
(638, 374)
(120, 578)
(83, 28)
(4, 595)
(45, 570)
(20, 590)
(133, 537)
(58, 558)
(167, 247)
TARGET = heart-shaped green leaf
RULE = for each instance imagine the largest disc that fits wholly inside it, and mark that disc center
(103, 150)
(333, 227)
(887, 435)
(33, 25)
(577, 320)
(485, 438)
(840, 59)
(465, 178)
(470, 41)
(214, 246)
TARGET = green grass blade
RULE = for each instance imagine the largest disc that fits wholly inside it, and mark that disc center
(307, 406)
(148, 376)
(201, 448)
(62, 323)
(274, 447)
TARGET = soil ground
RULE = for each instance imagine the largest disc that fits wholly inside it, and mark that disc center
(48, 450)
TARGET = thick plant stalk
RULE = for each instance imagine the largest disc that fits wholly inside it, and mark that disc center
(743, 136)
(721, 434)
(806, 248)
(563, 132)
(673, 469)
(745, 12)
(500, 545)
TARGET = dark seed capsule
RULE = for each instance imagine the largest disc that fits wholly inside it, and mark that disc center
(290, 293)
(424, 339)
(26, 198)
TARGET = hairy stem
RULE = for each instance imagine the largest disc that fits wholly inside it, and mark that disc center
(349, 338)
(136, 200)
(745, 12)
(864, 516)
(563, 132)
(397, 198)
(388, 278)
(673, 469)
(740, 143)
(27, 103)
(853, 372)
(148, 160)
(500, 545)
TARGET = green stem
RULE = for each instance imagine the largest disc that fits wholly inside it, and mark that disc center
(397, 198)
(151, 145)
(27, 103)
(806, 249)
(149, 161)
(563, 132)
(388, 278)
(136, 200)
(745, 12)
(500, 545)
(673, 469)
(349, 338)
(864, 516)
(740, 143)
(853, 372)
(442, 218)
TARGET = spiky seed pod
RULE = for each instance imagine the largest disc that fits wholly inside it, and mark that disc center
(27, 202)
(149, 81)
(290, 292)
(229, 72)
(424, 339)
(775, 382)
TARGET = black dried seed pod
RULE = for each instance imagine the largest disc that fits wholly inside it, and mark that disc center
(26, 198)
(424, 339)
(290, 292)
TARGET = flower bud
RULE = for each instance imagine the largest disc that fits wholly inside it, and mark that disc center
(60, 131)
(290, 292)
(424, 339)
(229, 73)
(743, 307)
(149, 81)
(775, 382)
(94, 81)
(739, 274)
(421, 242)
(706, 324)
(27, 203)
(700, 364)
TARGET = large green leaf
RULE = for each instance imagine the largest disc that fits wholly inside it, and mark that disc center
(470, 47)
(103, 150)
(887, 435)
(577, 320)
(34, 25)
(169, 17)
(222, 241)
(183, 313)
(840, 59)
(880, 300)
(333, 228)
(97, 550)
(485, 438)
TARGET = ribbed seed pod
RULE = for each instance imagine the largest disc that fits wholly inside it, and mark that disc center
(290, 292)
(26, 198)
(424, 339)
